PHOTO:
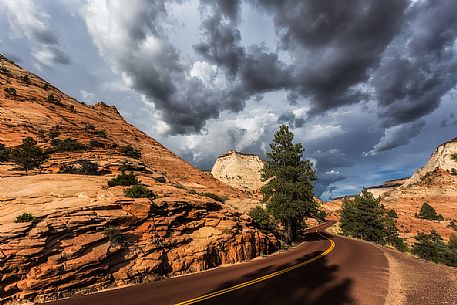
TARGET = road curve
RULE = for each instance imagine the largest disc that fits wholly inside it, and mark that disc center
(316, 272)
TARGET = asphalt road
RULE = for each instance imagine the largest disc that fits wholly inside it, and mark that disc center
(326, 269)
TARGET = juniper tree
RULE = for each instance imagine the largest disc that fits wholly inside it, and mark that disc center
(288, 191)
(28, 155)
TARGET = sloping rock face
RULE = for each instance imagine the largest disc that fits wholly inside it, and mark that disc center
(241, 171)
(86, 235)
(387, 186)
(435, 183)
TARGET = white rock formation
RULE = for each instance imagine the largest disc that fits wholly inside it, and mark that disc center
(239, 170)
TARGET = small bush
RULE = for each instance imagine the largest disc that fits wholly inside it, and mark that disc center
(95, 144)
(101, 133)
(192, 191)
(115, 235)
(432, 247)
(454, 157)
(67, 144)
(453, 172)
(392, 213)
(82, 167)
(130, 151)
(26, 79)
(28, 155)
(4, 70)
(262, 218)
(213, 196)
(46, 86)
(428, 212)
(321, 215)
(4, 153)
(124, 179)
(10, 92)
(453, 224)
(160, 179)
(139, 191)
(53, 99)
(25, 217)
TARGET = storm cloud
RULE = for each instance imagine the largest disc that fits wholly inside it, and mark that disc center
(26, 19)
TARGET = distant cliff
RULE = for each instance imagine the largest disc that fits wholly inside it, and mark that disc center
(239, 170)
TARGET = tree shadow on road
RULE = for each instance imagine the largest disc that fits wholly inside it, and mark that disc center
(313, 284)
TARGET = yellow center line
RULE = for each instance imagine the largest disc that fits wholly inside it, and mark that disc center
(260, 279)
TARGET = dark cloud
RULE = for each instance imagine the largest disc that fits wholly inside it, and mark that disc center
(334, 44)
(420, 66)
(223, 39)
(398, 135)
(291, 119)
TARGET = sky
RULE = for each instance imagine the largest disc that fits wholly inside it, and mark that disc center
(368, 86)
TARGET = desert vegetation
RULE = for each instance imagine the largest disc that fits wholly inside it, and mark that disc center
(124, 179)
(130, 151)
(288, 192)
(454, 157)
(139, 191)
(432, 247)
(25, 217)
(81, 167)
(213, 196)
(365, 218)
(428, 212)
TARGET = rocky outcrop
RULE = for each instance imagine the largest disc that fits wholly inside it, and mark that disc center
(435, 183)
(84, 235)
(239, 170)
(387, 186)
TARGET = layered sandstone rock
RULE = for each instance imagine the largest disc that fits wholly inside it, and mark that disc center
(435, 183)
(239, 170)
(87, 236)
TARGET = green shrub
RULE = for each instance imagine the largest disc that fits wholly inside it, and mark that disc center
(46, 86)
(53, 99)
(432, 247)
(392, 213)
(101, 133)
(130, 151)
(10, 92)
(124, 179)
(364, 217)
(82, 167)
(262, 218)
(26, 79)
(139, 191)
(67, 144)
(453, 224)
(4, 153)
(4, 70)
(114, 235)
(95, 144)
(321, 215)
(160, 179)
(25, 217)
(192, 191)
(213, 196)
(28, 155)
(428, 212)
(453, 172)
(454, 157)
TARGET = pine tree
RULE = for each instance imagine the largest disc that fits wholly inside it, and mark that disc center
(288, 191)
(364, 217)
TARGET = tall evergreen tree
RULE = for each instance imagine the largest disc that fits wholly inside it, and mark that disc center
(288, 191)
